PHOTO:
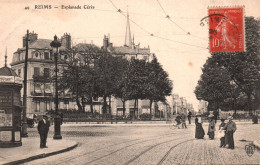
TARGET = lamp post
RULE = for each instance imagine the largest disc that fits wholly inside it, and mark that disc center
(55, 44)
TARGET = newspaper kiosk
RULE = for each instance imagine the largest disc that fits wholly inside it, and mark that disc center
(10, 108)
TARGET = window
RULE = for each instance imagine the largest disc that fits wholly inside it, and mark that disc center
(47, 89)
(37, 106)
(36, 71)
(37, 88)
(19, 72)
(46, 56)
(46, 72)
(65, 57)
(119, 111)
(52, 57)
(47, 105)
(36, 54)
(66, 104)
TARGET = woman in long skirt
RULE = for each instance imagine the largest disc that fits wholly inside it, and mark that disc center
(199, 132)
(211, 129)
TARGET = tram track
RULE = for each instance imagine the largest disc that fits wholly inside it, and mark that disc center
(148, 149)
(129, 141)
(170, 150)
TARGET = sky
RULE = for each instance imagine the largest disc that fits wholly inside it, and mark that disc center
(181, 54)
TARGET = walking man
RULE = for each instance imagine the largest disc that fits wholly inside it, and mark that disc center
(189, 117)
(43, 129)
(230, 128)
(183, 121)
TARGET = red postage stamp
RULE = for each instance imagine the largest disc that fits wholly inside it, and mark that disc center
(226, 29)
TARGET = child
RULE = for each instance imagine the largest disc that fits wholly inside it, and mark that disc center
(222, 139)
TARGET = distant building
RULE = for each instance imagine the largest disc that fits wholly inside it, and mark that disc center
(203, 105)
(180, 105)
(129, 51)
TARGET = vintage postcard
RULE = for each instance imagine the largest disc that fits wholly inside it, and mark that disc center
(129, 82)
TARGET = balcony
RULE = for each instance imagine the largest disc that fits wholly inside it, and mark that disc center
(41, 78)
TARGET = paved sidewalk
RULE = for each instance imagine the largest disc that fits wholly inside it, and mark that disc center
(257, 143)
(30, 150)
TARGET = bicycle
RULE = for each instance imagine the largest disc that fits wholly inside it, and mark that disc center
(174, 125)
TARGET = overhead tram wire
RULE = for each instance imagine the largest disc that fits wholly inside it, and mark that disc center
(169, 18)
(151, 34)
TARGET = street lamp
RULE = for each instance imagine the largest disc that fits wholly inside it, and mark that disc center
(55, 44)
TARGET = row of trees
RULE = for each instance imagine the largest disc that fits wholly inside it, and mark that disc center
(231, 80)
(91, 72)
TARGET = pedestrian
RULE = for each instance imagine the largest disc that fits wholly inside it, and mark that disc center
(211, 128)
(43, 129)
(183, 120)
(223, 139)
(255, 119)
(230, 128)
(199, 131)
(178, 120)
(35, 118)
(215, 113)
(189, 117)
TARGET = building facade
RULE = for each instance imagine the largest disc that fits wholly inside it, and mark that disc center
(180, 105)
(40, 87)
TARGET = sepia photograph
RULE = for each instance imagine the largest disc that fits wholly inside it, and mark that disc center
(129, 82)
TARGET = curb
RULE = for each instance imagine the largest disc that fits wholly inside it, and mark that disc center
(40, 156)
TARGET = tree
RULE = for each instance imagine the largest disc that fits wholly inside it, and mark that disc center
(243, 68)
(214, 85)
(158, 85)
(108, 70)
(77, 75)
(122, 90)
(137, 76)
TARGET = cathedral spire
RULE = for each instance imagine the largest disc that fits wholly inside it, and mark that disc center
(128, 40)
(6, 57)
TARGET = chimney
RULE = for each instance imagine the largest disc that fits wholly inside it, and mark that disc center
(66, 40)
(32, 37)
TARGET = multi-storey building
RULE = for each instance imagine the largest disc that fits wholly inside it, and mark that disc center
(40, 89)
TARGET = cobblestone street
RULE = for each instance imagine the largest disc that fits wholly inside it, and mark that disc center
(150, 144)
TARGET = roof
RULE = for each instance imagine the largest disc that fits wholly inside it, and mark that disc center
(41, 44)
(5, 71)
(129, 50)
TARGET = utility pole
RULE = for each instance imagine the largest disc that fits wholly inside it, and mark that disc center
(24, 125)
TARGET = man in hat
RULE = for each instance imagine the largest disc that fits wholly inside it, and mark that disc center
(230, 128)
(43, 129)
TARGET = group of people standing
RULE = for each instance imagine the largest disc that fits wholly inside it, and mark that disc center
(226, 130)
(181, 120)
